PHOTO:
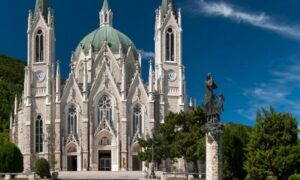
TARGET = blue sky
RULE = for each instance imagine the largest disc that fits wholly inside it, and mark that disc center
(252, 47)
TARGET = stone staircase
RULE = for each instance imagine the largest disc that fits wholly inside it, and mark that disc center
(103, 175)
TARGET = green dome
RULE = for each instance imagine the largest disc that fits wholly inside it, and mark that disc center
(106, 34)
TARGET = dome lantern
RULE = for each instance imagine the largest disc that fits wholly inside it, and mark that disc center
(106, 14)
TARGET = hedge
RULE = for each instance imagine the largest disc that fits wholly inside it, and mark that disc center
(42, 168)
(294, 177)
(11, 159)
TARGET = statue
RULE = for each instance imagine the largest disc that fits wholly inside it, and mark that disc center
(209, 98)
(213, 106)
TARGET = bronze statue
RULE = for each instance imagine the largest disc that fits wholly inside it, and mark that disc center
(213, 106)
(209, 98)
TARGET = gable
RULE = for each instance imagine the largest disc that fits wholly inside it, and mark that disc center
(71, 91)
(104, 82)
(137, 92)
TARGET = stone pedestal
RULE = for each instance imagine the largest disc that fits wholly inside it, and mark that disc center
(7, 177)
(213, 157)
(27, 162)
(31, 177)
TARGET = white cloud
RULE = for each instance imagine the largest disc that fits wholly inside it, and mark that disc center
(291, 74)
(147, 54)
(267, 94)
(255, 19)
(279, 92)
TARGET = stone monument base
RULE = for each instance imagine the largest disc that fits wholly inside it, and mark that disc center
(213, 157)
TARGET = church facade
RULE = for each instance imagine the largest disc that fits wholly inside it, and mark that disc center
(93, 121)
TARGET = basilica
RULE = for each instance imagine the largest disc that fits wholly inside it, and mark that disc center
(93, 120)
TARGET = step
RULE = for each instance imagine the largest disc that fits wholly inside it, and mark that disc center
(103, 175)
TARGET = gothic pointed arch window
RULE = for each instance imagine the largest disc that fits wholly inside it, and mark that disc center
(72, 119)
(137, 119)
(39, 134)
(105, 109)
(170, 45)
(39, 46)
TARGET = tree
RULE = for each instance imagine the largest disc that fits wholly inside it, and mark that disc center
(42, 168)
(180, 136)
(11, 158)
(11, 84)
(294, 177)
(234, 140)
(4, 138)
(273, 149)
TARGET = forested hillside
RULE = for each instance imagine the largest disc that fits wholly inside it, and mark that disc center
(11, 83)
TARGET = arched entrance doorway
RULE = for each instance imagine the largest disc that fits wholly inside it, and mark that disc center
(104, 162)
(72, 158)
(103, 151)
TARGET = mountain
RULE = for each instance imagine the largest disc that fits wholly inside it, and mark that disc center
(11, 84)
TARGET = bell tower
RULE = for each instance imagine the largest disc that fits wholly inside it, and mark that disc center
(39, 82)
(169, 70)
(41, 52)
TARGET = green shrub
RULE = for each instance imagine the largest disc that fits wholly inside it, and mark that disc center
(294, 177)
(42, 168)
(11, 158)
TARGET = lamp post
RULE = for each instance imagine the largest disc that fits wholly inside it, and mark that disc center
(152, 175)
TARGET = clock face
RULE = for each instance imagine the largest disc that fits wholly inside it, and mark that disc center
(171, 75)
(39, 75)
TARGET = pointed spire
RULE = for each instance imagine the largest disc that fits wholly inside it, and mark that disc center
(123, 83)
(85, 80)
(16, 106)
(121, 51)
(150, 76)
(58, 83)
(105, 6)
(140, 63)
(11, 127)
(106, 15)
(150, 80)
(41, 6)
(191, 102)
(11, 121)
(166, 5)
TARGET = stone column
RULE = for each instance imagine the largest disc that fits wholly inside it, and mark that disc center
(85, 137)
(124, 137)
(213, 157)
(57, 128)
(27, 143)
